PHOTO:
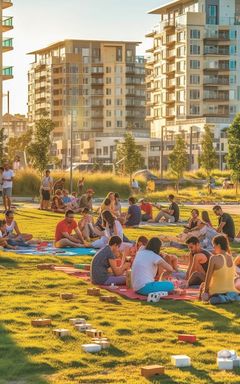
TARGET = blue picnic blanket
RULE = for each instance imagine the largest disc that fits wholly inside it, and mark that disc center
(53, 251)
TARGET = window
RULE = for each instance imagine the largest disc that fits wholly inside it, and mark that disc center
(108, 124)
(194, 79)
(118, 80)
(194, 49)
(181, 66)
(181, 80)
(105, 151)
(119, 54)
(108, 80)
(118, 91)
(108, 113)
(108, 69)
(99, 151)
(108, 101)
(118, 102)
(118, 112)
(119, 124)
(233, 50)
(108, 91)
(233, 35)
(85, 51)
(194, 64)
(194, 34)
(180, 110)
(232, 65)
(212, 14)
(194, 109)
(181, 36)
(194, 94)
(85, 60)
(181, 51)
(181, 96)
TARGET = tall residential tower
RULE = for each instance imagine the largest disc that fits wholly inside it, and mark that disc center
(193, 74)
(100, 84)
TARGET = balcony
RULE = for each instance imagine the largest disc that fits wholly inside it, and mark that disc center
(7, 73)
(171, 68)
(7, 24)
(6, 4)
(216, 111)
(216, 80)
(171, 39)
(217, 35)
(168, 24)
(171, 54)
(171, 83)
(216, 50)
(7, 44)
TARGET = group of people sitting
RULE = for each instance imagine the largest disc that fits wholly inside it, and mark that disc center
(153, 270)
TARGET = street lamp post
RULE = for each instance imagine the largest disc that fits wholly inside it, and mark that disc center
(161, 153)
(71, 152)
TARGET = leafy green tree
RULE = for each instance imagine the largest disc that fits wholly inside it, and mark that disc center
(233, 157)
(39, 150)
(20, 144)
(208, 157)
(129, 156)
(178, 159)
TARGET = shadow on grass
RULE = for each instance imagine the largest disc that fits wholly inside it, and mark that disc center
(15, 365)
(202, 314)
(8, 262)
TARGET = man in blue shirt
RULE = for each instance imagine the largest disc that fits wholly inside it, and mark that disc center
(134, 213)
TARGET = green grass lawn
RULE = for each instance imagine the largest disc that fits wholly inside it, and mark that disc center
(140, 333)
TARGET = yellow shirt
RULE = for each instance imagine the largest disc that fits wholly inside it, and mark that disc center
(222, 280)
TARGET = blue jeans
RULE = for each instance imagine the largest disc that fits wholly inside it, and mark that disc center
(156, 286)
(117, 280)
(228, 297)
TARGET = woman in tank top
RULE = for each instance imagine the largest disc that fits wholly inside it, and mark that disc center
(221, 270)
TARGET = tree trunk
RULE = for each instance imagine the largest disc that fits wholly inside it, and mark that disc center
(236, 186)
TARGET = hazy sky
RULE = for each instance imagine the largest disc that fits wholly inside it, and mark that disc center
(40, 22)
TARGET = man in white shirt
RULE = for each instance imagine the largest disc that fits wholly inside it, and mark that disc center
(7, 178)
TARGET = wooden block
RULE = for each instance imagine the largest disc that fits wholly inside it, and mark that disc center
(61, 332)
(45, 266)
(81, 327)
(66, 296)
(77, 321)
(152, 370)
(109, 299)
(187, 338)
(181, 361)
(225, 364)
(104, 344)
(91, 348)
(41, 322)
(94, 292)
(94, 333)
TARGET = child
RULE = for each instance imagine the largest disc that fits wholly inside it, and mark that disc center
(130, 252)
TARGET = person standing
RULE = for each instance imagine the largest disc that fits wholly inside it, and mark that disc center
(135, 186)
(7, 178)
(46, 189)
(81, 186)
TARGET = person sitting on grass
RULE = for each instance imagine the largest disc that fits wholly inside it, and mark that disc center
(104, 260)
(65, 197)
(58, 205)
(219, 287)
(198, 262)
(86, 225)
(132, 250)
(86, 200)
(171, 214)
(147, 209)
(206, 219)
(3, 237)
(59, 184)
(133, 217)
(12, 229)
(63, 234)
(147, 269)
(225, 223)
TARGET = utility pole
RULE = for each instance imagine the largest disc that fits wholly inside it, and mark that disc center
(190, 150)
(161, 153)
(71, 153)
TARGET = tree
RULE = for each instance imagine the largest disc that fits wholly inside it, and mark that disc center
(39, 150)
(129, 155)
(233, 157)
(178, 159)
(208, 157)
(19, 145)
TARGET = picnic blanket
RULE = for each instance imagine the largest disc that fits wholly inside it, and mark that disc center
(49, 250)
(128, 293)
(162, 224)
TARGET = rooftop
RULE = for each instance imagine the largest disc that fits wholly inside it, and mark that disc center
(64, 42)
(168, 6)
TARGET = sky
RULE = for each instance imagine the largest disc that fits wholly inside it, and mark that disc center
(38, 23)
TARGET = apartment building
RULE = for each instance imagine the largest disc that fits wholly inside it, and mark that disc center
(5, 46)
(193, 74)
(14, 125)
(88, 88)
